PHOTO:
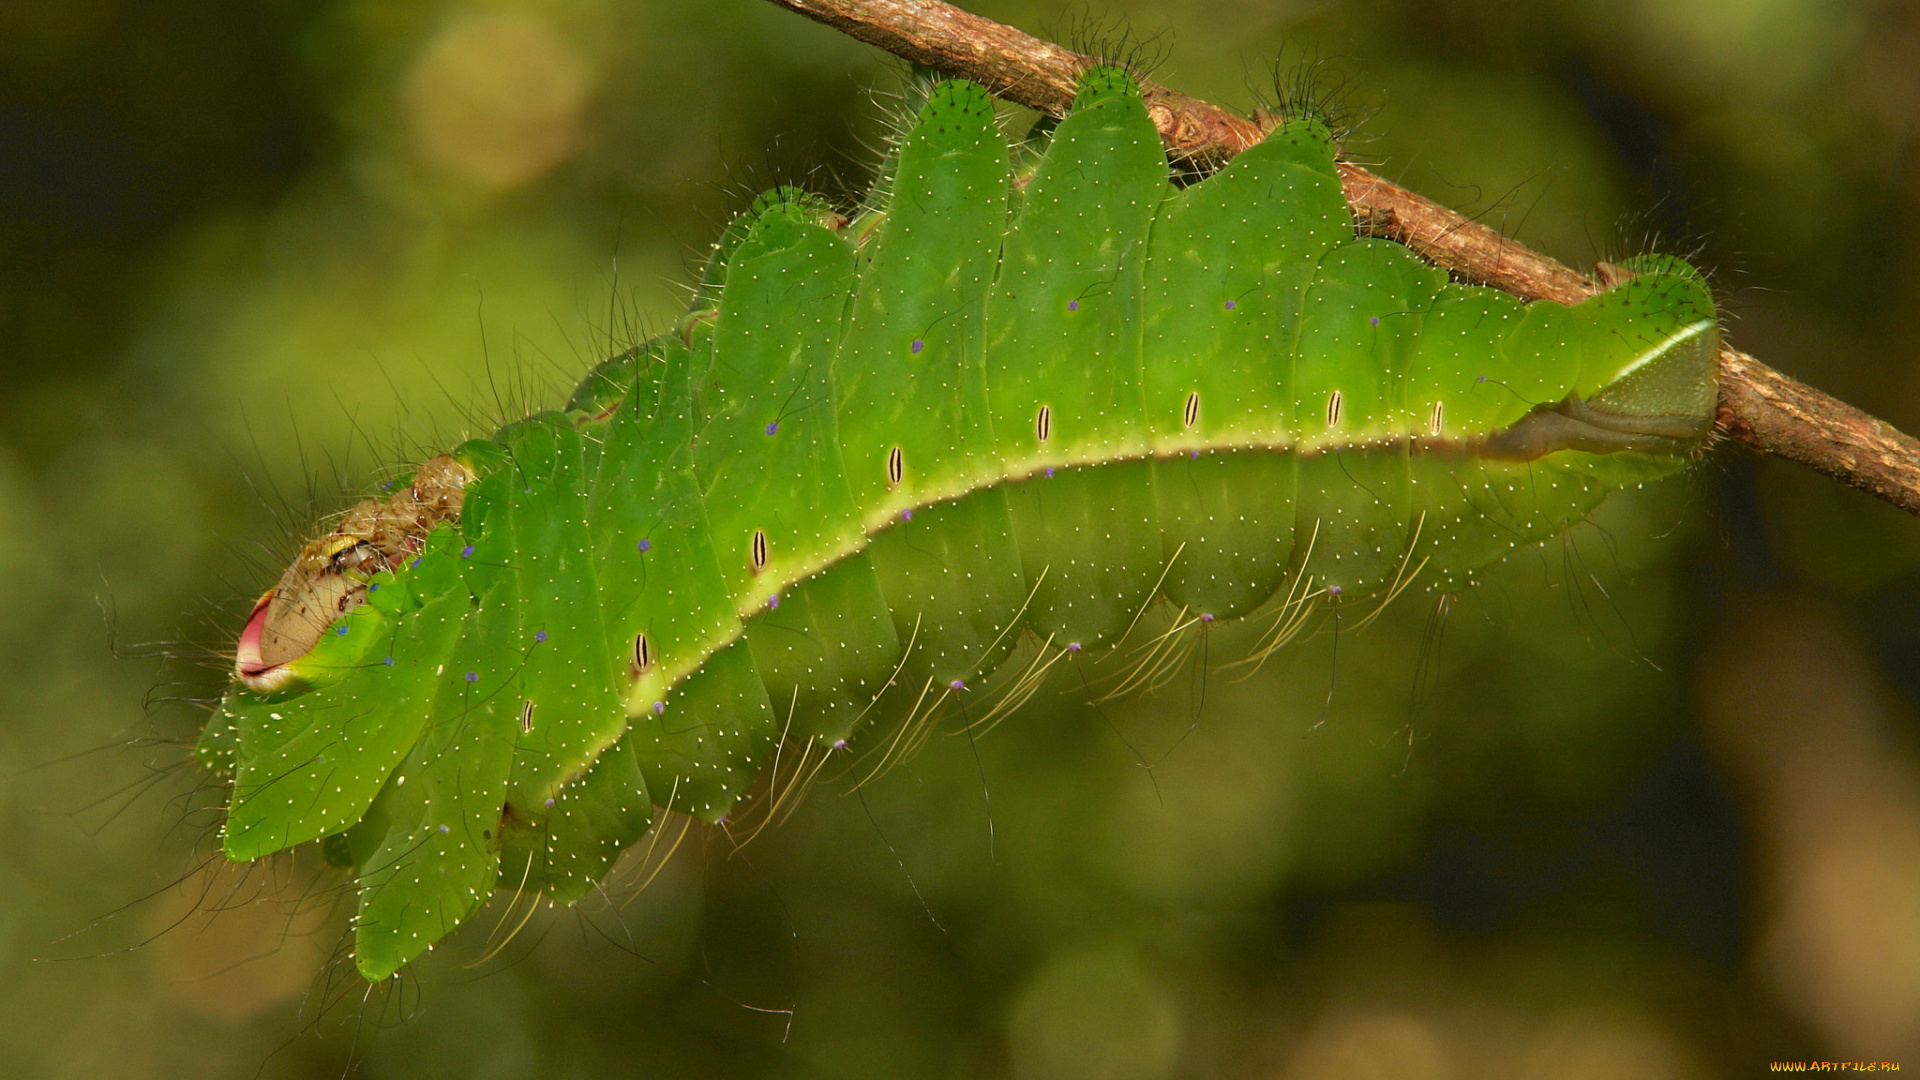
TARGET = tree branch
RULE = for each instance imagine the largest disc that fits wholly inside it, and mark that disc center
(1758, 405)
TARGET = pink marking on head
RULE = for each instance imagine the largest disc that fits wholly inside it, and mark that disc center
(254, 672)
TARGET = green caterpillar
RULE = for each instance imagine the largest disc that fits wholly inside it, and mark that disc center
(999, 405)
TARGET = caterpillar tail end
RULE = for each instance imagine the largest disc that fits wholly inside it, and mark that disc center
(1662, 402)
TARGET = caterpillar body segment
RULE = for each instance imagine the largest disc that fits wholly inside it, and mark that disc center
(773, 481)
(1230, 259)
(910, 373)
(567, 664)
(659, 573)
(1070, 289)
(911, 376)
(868, 463)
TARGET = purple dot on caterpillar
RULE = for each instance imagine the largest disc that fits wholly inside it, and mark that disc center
(342, 630)
(1375, 321)
(659, 707)
(1193, 453)
(444, 830)
(839, 744)
(773, 601)
(1073, 646)
(773, 427)
(389, 661)
(549, 804)
(1206, 617)
(644, 545)
(956, 685)
(918, 345)
(1073, 305)
(473, 676)
(1229, 305)
(906, 515)
(466, 552)
(415, 562)
(540, 637)
(1049, 472)
(1333, 590)
(374, 588)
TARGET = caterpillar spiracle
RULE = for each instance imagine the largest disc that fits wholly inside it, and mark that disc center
(1006, 402)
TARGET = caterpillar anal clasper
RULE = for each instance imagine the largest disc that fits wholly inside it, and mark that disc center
(1089, 405)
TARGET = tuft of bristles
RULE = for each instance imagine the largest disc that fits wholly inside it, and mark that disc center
(1310, 86)
(1113, 40)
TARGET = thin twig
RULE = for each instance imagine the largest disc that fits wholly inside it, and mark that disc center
(1758, 405)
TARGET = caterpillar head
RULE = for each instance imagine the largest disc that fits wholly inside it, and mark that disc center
(329, 577)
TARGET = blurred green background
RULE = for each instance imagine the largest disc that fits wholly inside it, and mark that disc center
(1657, 809)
